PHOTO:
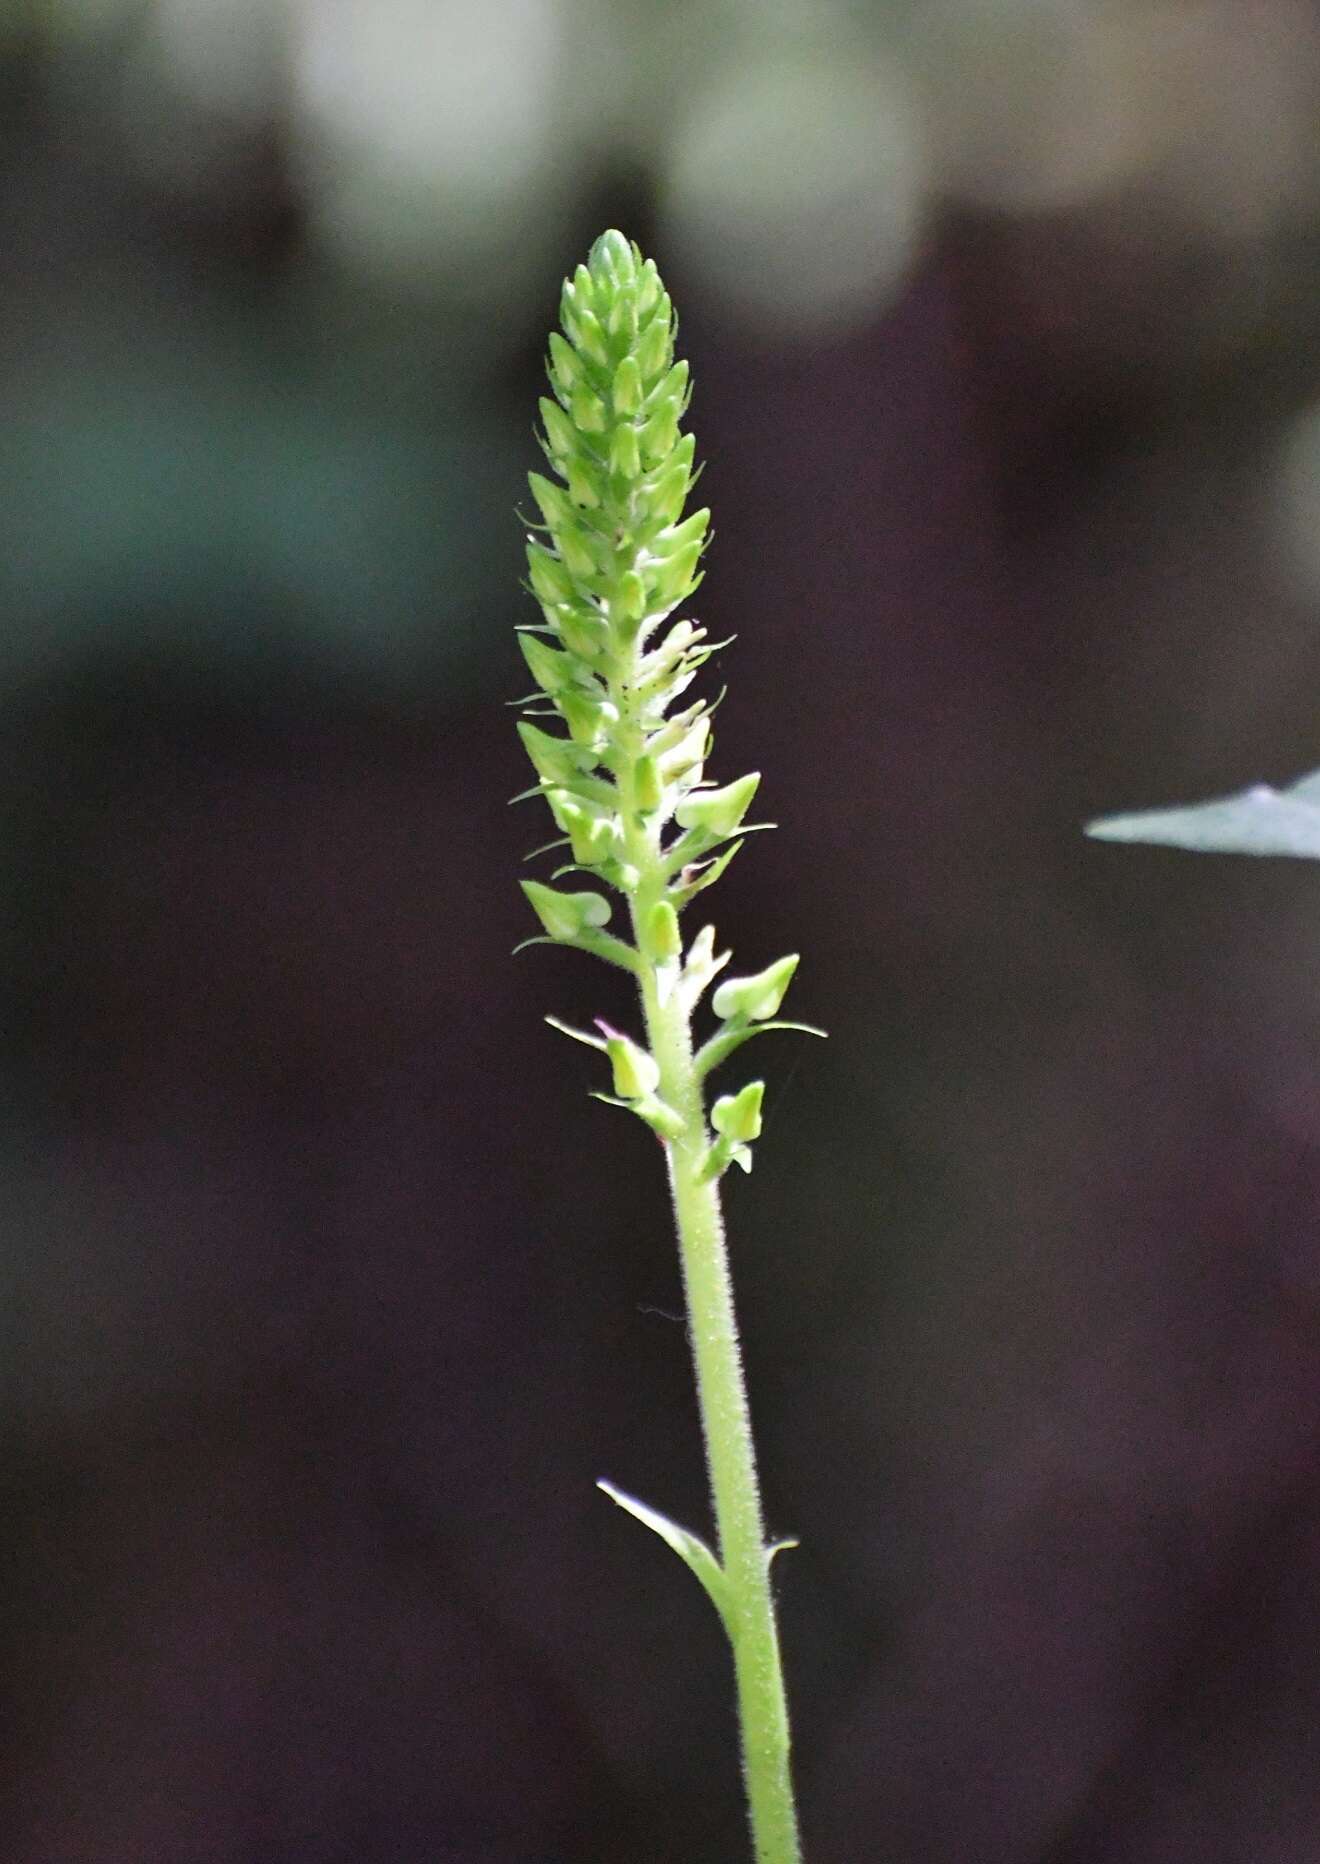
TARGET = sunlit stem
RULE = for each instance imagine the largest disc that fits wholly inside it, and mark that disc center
(721, 1387)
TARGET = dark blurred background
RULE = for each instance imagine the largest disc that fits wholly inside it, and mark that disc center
(325, 1294)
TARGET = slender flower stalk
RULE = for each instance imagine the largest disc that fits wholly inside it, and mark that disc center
(625, 783)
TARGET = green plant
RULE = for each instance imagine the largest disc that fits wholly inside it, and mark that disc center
(626, 787)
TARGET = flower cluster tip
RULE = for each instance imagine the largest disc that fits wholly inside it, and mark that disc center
(611, 558)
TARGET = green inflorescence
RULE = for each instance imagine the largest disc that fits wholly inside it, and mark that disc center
(610, 560)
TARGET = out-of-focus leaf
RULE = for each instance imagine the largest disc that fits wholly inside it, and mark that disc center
(1256, 821)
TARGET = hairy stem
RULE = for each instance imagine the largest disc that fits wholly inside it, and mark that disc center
(721, 1387)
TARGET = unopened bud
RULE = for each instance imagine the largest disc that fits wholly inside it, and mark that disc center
(647, 785)
(625, 454)
(558, 428)
(685, 758)
(622, 320)
(564, 368)
(673, 578)
(612, 259)
(551, 669)
(591, 339)
(551, 500)
(568, 309)
(672, 391)
(579, 558)
(718, 812)
(649, 289)
(555, 760)
(566, 915)
(677, 536)
(588, 411)
(627, 389)
(582, 631)
(738, 1116)
(756, 999)
(655, 344)
(582, 486)
(591, 832)
(630, 601)
(587, 717)
(660, 435)
(701, 964)
(670, 490)
(549, 575)
(661, 937)
(636, 1073)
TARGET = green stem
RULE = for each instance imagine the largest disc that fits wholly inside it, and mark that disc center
(721, 1388)
(731, 1458)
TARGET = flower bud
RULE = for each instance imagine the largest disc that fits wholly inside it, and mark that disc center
(568, 309)
(672, 391)
(660, 435)
(551, 669)
(738, 1116)
(661, 937)
(701, 965)
(566, 915)
(668, 493)
(588, 411)
(591, 338)
(582, 631)
(718, 813)
(676, 536)
(756, 999)
(555, 760)
(636, 1073)
(622, 320)
(647, 785)
(582, 484)
(688, 753)
(561, 439)
(672, 579)
(625, 454)
(649, 289)
(574, 548)
(612, 259)
(596, 842)
(591, 832)
(626, 392)
(587, 717)
(551, 500)
(630, 601)
(549, 575)
(564, 369)
(655, 345)
(678, 731)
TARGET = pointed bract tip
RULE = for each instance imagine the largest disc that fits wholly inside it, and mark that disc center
(612, 256)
